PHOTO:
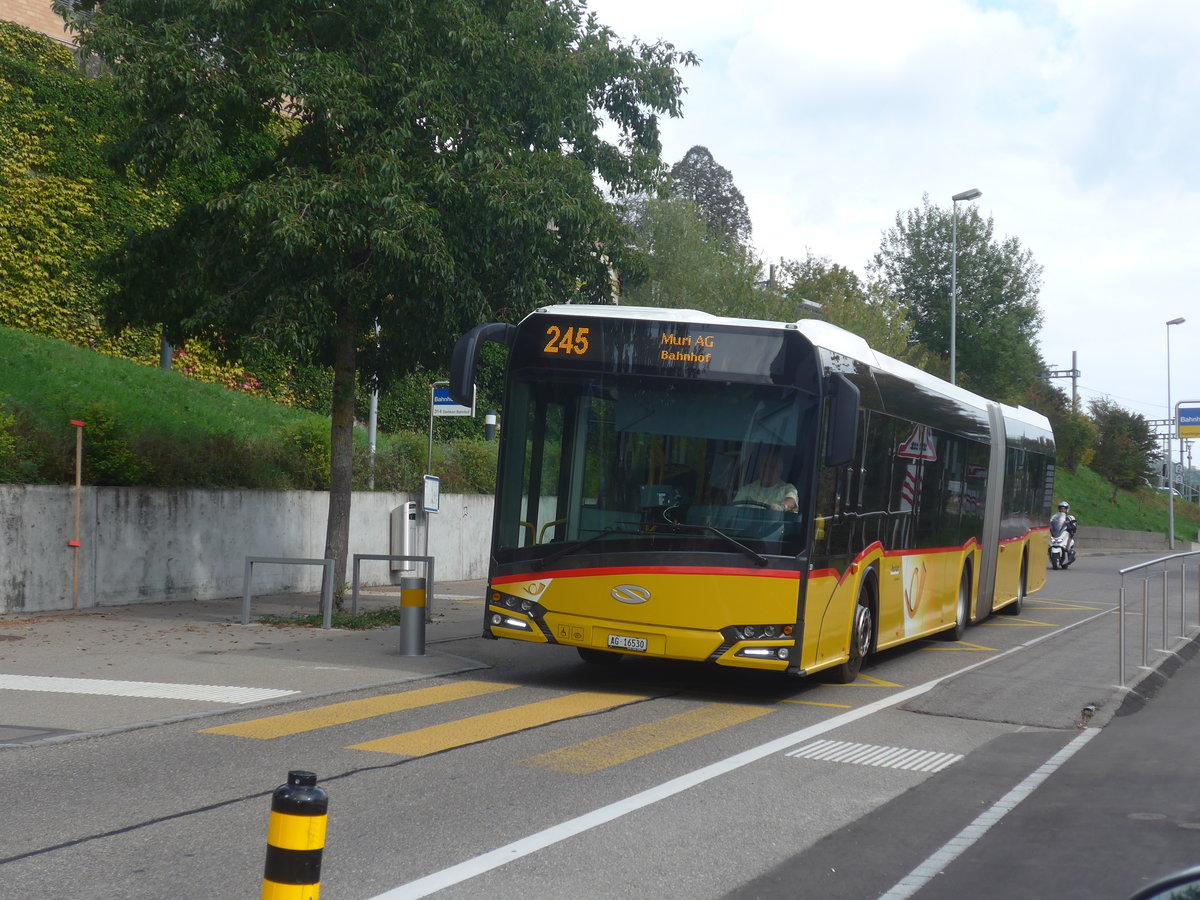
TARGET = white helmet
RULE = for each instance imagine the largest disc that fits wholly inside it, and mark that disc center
(1063, 504)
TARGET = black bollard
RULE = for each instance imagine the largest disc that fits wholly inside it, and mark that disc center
(295, 839)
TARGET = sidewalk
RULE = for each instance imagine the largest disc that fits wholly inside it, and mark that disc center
(1122, 812)
(122, 666)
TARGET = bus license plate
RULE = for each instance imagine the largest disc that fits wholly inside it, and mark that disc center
(620, 642)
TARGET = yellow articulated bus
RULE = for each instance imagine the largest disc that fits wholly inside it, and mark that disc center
(767, 495)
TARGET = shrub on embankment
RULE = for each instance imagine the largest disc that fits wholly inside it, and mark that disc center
(151, 427)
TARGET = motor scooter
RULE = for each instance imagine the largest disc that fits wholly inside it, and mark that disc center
(1062, 541)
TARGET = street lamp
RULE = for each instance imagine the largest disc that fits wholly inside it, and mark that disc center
(1170, 441)
(972, 194)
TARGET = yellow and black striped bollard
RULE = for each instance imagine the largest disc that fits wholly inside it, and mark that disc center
(296, 839)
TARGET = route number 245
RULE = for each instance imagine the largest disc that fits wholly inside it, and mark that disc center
(571, 340)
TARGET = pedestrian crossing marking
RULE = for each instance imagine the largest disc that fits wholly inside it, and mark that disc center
(876, 755)
(436, 738)
(610, 750)
(355, 710)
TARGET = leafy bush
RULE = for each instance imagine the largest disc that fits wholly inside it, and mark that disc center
(306, 454)
(109, 457)
(470, 467)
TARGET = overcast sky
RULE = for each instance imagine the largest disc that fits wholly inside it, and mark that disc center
(1077, 119)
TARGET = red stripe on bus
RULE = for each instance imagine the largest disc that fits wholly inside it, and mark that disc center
(647, 570)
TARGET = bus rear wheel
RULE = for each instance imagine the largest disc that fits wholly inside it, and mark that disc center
(1014, 608)
(862, 636)
(962, 609)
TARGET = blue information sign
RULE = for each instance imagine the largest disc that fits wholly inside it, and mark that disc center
(1188, 416)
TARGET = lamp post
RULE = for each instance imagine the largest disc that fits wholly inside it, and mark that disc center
(1170, 442)
(972, 194)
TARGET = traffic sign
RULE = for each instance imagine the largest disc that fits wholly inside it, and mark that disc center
(1187, 415)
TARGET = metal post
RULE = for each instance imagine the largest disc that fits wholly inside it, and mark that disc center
(412, 616)
(1182, 599)
(1121, 632)
(1164, 631)
(1145, 622)
(971, 194)
(1171, 427)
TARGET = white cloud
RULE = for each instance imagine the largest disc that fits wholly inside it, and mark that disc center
(1076, 118)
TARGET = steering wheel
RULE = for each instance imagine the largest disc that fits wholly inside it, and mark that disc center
(756, 503)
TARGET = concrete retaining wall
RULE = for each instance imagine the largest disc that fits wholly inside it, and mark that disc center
(143, 544)
(1118, 539)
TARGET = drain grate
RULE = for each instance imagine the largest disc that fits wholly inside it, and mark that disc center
(876, 755)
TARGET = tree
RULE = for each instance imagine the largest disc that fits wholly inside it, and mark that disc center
(1074, 433)
(684, 266)
(59, 201)
(997, 311)
(1126, 448)
(699, 178)
(424, 165)
(845, 301)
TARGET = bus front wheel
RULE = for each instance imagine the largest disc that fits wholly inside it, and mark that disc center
(862, 636)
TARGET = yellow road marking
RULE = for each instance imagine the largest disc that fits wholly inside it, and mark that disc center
(436, 738)
(1021, 622)
(815, 703)
(873, 682)
(355, 710)
(1047, 603)
(962, 646)
(641, 740)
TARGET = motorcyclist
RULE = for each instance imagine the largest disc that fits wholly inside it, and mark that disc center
(1065, 508)
(1061, 525)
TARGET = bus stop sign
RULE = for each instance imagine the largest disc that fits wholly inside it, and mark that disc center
(1188, 416)
(443, 405)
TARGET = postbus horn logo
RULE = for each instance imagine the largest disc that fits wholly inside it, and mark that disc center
(630, 593)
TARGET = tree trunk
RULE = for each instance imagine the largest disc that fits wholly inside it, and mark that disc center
(341, 447)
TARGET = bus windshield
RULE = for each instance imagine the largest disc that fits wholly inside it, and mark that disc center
(603, 464)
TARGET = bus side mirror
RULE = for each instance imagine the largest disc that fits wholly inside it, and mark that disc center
(841, 436)
(466, 358)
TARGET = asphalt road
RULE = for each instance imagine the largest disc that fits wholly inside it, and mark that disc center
(501, 770)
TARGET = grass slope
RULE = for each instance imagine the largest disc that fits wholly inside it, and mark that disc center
(49, 378)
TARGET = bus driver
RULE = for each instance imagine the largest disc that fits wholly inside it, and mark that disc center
(770, 490)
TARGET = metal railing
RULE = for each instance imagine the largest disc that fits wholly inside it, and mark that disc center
(1160, 568)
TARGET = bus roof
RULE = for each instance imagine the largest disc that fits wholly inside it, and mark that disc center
(823, 335)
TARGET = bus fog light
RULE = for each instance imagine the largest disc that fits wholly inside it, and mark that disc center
(782, 653)
(497, 618)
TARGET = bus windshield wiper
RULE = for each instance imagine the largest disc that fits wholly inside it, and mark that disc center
(709, 529)
(575, 548)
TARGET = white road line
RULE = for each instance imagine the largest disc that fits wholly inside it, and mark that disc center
(212, 693)
(501, 856)
(961, 842)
